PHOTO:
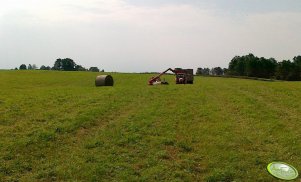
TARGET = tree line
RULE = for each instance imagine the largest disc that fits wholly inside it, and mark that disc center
(66, 64)
(252, 66)
(213, 71)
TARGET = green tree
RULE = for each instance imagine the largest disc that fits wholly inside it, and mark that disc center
(57, 65)
(23, 67)
(237, 66)
(199, 71)
(45, 67)
(270, 66)
(203, 71)
(297, 60)
(284, 70)
(252, 66)
(80, 68)
(218, 71)
(225, 71)
(94, 69)
(66, 64)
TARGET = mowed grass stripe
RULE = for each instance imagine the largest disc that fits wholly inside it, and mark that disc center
(280, 116)
(137, 141)
(269, 130)
(73, 148)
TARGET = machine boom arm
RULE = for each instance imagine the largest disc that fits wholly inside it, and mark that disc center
(153, 79)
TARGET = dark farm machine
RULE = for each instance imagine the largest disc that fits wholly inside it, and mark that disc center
(183, 76)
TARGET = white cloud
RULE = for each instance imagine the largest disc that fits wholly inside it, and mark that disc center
(117, 36)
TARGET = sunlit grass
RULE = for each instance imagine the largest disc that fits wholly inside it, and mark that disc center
(59, 126)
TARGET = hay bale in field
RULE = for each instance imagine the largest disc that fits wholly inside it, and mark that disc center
(104, 80)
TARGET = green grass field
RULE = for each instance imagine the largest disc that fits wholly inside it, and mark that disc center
(57, 126)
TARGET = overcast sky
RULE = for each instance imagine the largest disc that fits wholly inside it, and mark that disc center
(147, 35)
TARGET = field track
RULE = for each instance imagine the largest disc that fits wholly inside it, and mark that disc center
(57, 126)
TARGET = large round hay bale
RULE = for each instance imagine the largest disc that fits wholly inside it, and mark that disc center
(104, 80)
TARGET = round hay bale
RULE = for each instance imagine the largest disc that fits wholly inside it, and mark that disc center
(104, 80)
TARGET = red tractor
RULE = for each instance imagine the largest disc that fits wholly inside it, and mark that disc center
(183, 76)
